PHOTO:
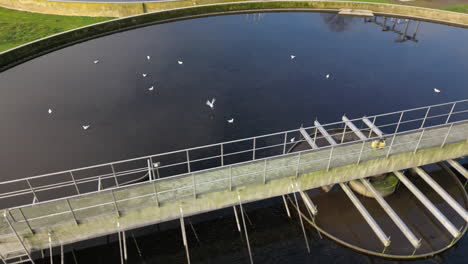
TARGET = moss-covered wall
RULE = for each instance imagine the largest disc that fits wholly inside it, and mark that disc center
(128, 9)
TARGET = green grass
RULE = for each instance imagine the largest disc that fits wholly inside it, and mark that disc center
(18, 27)
(370, 1)
(457, 8)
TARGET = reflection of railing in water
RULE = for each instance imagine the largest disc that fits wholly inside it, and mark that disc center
(254, 17)
(392, 25)
(227, 154)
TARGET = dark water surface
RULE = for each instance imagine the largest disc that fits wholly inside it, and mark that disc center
(244, 62)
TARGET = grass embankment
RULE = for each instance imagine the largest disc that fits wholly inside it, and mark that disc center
(18, 27)
(457, 8)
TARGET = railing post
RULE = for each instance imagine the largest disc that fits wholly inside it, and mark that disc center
(25, 220)
(285, 141)
(253, 148)
(425, 117)
(264, 171)
(360, 153)
(446, 136)
(419, 141)
(188, 160)
(115, 176)
(155, 193)
(394, 135)
(330, 158)
(74, 182)
(194, 186)
(71, 211)
(149, 169)
(115, 204)
(152, 167)
(230, 178)
(450, 114)
(32, 190)
(222, 154)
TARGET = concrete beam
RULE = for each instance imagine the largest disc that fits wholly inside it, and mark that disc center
(429, 205)
(458, 167)
(369, 219)
(460, 210)
(307, 138)
(391, 213)
(374, 128)
(354, 128)
(325, 133)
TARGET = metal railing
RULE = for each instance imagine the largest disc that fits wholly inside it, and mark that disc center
(114, 175)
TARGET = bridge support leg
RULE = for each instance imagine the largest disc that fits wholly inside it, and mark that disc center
(237, 219)
(245, 229)
(50, 250)
(184, 235)
(124, 243)
(136, 245)
(62, 258)
(193, 230)
(286, 206)
(300, 220)
(74, 256)
(120, 247)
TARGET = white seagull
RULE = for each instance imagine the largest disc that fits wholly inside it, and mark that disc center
(96, 61)
(144, 75)
(49, 111)
(436, 90)
(293, 57)
(85, 127)
(180, 62)
(211, 103)
(148, 57)
(293, 139)
(151, 88)
(230, 121)
(327, 76)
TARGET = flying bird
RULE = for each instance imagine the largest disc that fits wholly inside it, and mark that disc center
(327, 76)
(49, 111)
(151, 88)
(96, 61)
(230, 121)
(148, 57)
(436, 90)
(180, 62)
(85, 127)
(293, 139)
(211, 103)
(293, 57)
(144, 75)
